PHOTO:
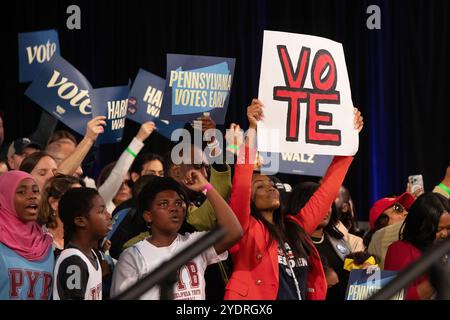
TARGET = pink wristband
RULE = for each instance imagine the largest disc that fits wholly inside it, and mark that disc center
(207, 188)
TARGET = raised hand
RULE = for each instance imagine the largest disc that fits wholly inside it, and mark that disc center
(95, 127)
(145, 130)
(416, 192)
(358, 120)
(234, 137)
(255, 113)
(195, 181)
(207, 122)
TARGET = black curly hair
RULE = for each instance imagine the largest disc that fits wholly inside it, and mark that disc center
(157, 185)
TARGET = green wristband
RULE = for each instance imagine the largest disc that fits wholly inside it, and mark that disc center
(131, 152)
(232, 146)
(443, 186)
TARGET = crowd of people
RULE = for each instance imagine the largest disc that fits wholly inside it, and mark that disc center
(64, 235)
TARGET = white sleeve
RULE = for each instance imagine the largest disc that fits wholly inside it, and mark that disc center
(209, 255)
(90, 183)
(110, 187)
(127, 271)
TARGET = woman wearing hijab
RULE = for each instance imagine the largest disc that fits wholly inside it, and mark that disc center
(26, 258)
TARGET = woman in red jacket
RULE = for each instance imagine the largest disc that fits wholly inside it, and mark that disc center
(275, 258)
(427, 222)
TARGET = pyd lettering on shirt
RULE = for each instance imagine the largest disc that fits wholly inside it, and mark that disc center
(70, 91)
(41, 53)
(191, 270)
(117, 110)
(324, 80)
(153, 97)
(18, 278)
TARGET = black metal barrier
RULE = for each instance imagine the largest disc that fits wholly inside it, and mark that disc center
(439, 274)
(165, 274)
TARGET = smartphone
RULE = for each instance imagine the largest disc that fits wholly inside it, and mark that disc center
(416, 182)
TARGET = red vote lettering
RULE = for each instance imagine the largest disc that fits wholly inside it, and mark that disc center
(324, 80)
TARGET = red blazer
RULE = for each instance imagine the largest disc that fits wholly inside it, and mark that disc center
(399, 255)
(255, 272)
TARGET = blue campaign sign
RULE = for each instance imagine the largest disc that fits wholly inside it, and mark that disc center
(111, 102)
(166, 128)
(61, 90)
(145, 101)
(294, 163)
(36, 49)
(362, 285)
(197, 84)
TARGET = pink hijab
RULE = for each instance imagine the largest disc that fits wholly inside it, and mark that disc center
(25, 238)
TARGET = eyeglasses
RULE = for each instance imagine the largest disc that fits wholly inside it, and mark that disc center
(398, 208)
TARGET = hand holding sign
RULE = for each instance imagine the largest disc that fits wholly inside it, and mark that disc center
(144, 102)
(305, 85)
(358, 121)
(206, 123)
(145, 131)
(197, 84)
(94, 127)
(255, 113)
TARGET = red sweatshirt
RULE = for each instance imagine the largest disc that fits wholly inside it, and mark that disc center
(399, 255)
(255, 273)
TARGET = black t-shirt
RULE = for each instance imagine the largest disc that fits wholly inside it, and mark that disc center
(287, 289)
(336, 292)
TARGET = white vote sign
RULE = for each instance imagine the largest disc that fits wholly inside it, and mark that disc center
(305, 89)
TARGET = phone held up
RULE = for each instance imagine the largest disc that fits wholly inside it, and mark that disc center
(416, 182)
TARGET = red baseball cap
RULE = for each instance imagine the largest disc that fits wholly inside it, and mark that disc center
(406, 200)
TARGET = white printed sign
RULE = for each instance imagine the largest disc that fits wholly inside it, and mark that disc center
(305, 89)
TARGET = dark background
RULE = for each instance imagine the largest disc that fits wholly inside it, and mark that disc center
(398, 74)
